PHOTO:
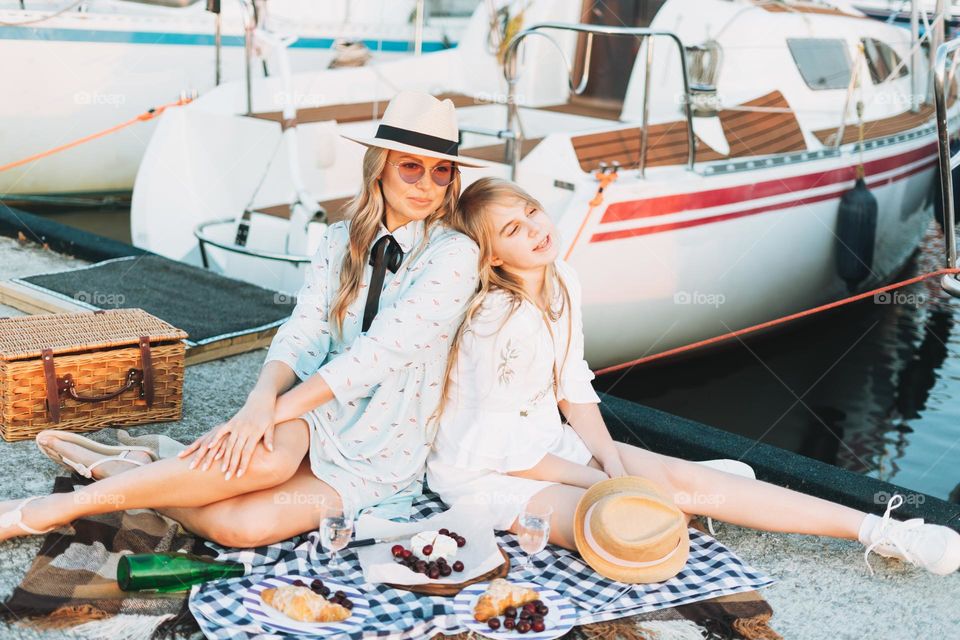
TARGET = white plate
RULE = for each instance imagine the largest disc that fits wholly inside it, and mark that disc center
(272, 619)
(559, 620)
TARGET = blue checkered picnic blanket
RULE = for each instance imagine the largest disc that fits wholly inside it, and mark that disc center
(712, 571)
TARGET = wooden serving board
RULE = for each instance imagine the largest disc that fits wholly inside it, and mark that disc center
(454, 589)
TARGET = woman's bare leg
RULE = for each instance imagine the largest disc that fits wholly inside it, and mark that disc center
(260, 517)
(700, 490)
(171, 483)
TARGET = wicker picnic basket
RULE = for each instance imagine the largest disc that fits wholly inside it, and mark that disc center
(84, 371)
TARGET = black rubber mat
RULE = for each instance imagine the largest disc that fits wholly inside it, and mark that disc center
(206, 305)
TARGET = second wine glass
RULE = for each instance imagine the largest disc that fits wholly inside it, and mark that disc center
(336, 528)
(533, 532)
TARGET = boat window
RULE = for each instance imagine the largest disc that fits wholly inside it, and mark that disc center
(882, 60)
(823, 63)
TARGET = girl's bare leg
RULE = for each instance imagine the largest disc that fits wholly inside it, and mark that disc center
(171, 483)
(260, 517)
(563, 498)
(699, 490)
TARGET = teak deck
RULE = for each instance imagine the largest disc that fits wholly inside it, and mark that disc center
(749, 133)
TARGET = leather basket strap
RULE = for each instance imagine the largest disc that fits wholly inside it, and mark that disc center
(53, 392)
(146, 362)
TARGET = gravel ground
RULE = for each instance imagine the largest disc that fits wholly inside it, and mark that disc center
(823, 588)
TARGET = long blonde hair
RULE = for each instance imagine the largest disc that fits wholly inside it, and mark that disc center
(469, 219)
(365, 212)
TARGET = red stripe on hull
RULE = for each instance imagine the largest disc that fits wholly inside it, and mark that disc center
(683, 224)
(676, 203)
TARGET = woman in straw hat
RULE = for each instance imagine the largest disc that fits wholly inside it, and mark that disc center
(368, 343)
(501, 441)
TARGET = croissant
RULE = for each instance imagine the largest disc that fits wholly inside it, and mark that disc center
(500, 595)
(300, 603)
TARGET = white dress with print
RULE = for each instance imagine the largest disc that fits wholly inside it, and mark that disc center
(501, 412)
(370, 442)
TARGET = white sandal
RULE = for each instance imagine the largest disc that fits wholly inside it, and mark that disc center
(120, 452)
(15, 517)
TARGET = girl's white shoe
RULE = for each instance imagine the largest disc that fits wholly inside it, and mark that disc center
(931, 546)
(14, 517)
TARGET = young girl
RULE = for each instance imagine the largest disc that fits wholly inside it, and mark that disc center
(518, 358)
(368, 342)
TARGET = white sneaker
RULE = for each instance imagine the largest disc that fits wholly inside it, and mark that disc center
(931, 546)
(730, 466)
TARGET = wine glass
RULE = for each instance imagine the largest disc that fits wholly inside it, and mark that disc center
(336, 528)
(533, 532)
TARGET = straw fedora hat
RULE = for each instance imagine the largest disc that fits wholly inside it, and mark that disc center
(627, 530)
(421, 124)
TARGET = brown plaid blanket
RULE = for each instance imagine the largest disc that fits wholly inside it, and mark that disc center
(73, 581)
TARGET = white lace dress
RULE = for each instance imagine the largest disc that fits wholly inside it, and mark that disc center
(502, 413)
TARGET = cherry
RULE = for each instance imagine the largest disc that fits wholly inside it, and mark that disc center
(529, 608)
(444, 531)
(346, 604)
(543, 610)
(406, 553)
(461, 541)
(445, 570)
(298, 583)
(396, 550)
(324, 591)
(509, 623)
(316, 585)
(427, 550)
(458, 566)
(538, 626)
(433, 573)
(523, 626)
(494, 623)
(510, 612)
(452, 534)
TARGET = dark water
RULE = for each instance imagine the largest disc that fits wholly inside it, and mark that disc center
(868, 387)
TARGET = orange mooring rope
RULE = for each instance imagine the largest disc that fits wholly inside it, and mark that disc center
(150, 114)
(771, 323)
(604, 177)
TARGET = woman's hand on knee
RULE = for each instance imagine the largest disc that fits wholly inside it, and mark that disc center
(235, 440)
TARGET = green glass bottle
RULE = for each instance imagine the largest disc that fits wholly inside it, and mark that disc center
(166, 572)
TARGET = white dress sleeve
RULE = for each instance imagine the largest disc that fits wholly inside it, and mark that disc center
(485, 425)
(303, 341)
(575, 378)
(418, 327)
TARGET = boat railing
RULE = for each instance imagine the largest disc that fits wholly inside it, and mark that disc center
(514, 131)
(205, 233)
(943, 81)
